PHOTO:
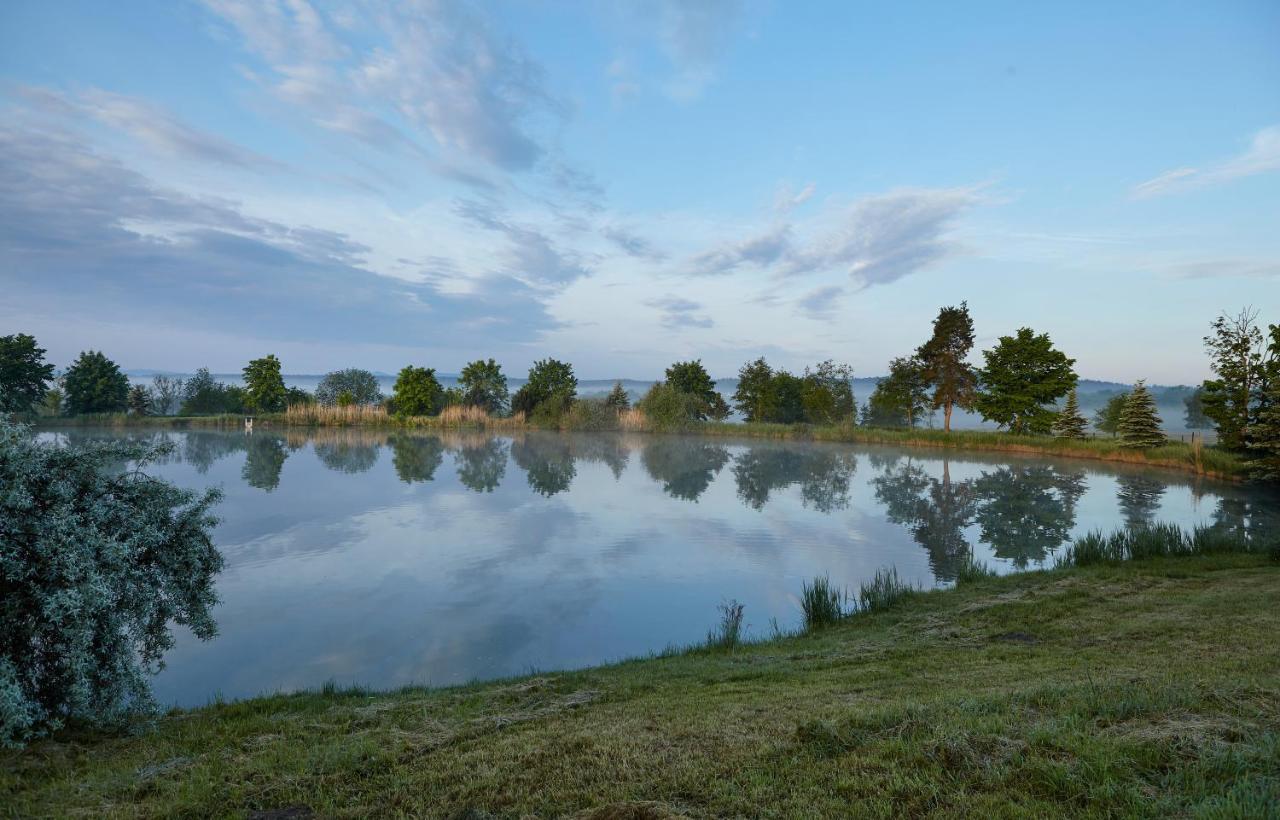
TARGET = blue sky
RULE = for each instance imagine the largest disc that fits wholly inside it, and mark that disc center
(623, 185)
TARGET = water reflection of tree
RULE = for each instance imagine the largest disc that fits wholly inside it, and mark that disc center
(823, 475)
(201, 449)
(547, 462)
(1248, 517)
(1025, 512)
(347, 454)
(684, 467)
(263, 461)
(604, 448)
(1139, 499)
(481, 466)
(416, 458)
(936, 512)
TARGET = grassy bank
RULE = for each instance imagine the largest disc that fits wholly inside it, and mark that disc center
(1207, 461)
(1148, 688)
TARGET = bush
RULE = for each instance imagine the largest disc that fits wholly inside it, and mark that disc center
(668, 409)
(551, 412)
(591, 415)
(95, 562)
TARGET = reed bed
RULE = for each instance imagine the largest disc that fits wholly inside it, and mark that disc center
(1161, 541)
(454, 416)
(821, 603)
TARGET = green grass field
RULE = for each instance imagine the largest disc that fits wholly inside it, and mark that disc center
(1145, 689)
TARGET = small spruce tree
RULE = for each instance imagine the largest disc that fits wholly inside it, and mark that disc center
(1069, 423)
(1140, 425)
(139, 400)
(618, 398)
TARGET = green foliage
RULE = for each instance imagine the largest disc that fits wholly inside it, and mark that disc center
(1107, 417)
(618, 398)
(139, 400)
(591, 415)
(1242, 365)
(95, 563)
(417, 392)
(827, 394)
(483, 385)
(883, 591)
(728, 633)
(95, 384)
(345, 399)
(1069, 422)
(901, 398)
(667, 408)
(52, 403)
(1140, 426)
(1264, 438)
(821, 603)
(453, 397)
(692, 379)
(1156, 541)
(361, 387)
(1023, 377)
(755, 398)
(549, 381)
(297, 396)
(1194, 414)
(24, 374)
(204, 395)
(943, 359)
(264, 386)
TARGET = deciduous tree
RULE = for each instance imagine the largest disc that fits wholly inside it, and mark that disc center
(1023, 377)
(484, 385)
(264, 390)
(360, 385)
(417, 392)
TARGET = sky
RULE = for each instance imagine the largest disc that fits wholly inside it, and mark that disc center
(623, 185)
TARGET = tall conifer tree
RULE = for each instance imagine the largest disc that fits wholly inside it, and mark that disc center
(1140, 425)
(1070, 423)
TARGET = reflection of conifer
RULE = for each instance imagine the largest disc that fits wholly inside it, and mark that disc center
(1069, 423)
(1139, 499)
(1139, 423)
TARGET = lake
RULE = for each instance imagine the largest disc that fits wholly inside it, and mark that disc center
(383, 559)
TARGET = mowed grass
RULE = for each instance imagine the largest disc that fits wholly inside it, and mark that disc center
(1148, 688)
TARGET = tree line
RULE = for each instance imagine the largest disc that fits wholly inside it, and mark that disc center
(1025, 385)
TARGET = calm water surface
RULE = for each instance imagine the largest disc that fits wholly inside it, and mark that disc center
(384, 559)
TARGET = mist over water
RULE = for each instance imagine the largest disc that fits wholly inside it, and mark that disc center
(384, 558)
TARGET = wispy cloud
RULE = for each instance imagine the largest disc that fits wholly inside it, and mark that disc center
(156, 127)
(1262, 156)
(1226, 268)
(820, 303)
(679, 313)
(877, 240)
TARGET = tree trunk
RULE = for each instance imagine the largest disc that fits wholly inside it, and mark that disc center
(946, 416)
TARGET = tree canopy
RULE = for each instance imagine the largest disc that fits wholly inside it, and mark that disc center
(360, 386)
(264, 390)
(417, 392)
(94, 384)
(24, 374)
(548, 379)
(901, 398)
(484, 385)
(1023, 378)
(943, 357)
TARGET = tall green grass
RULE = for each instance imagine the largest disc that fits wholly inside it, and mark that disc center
(883, 591)
(728, 633)
(821, 603)
(1160, 541)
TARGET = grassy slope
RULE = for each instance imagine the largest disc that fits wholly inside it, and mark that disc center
(1209, 461)
(1151, 688)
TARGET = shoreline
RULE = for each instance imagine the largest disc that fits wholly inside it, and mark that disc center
(1209, 462)
(1111, 687)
